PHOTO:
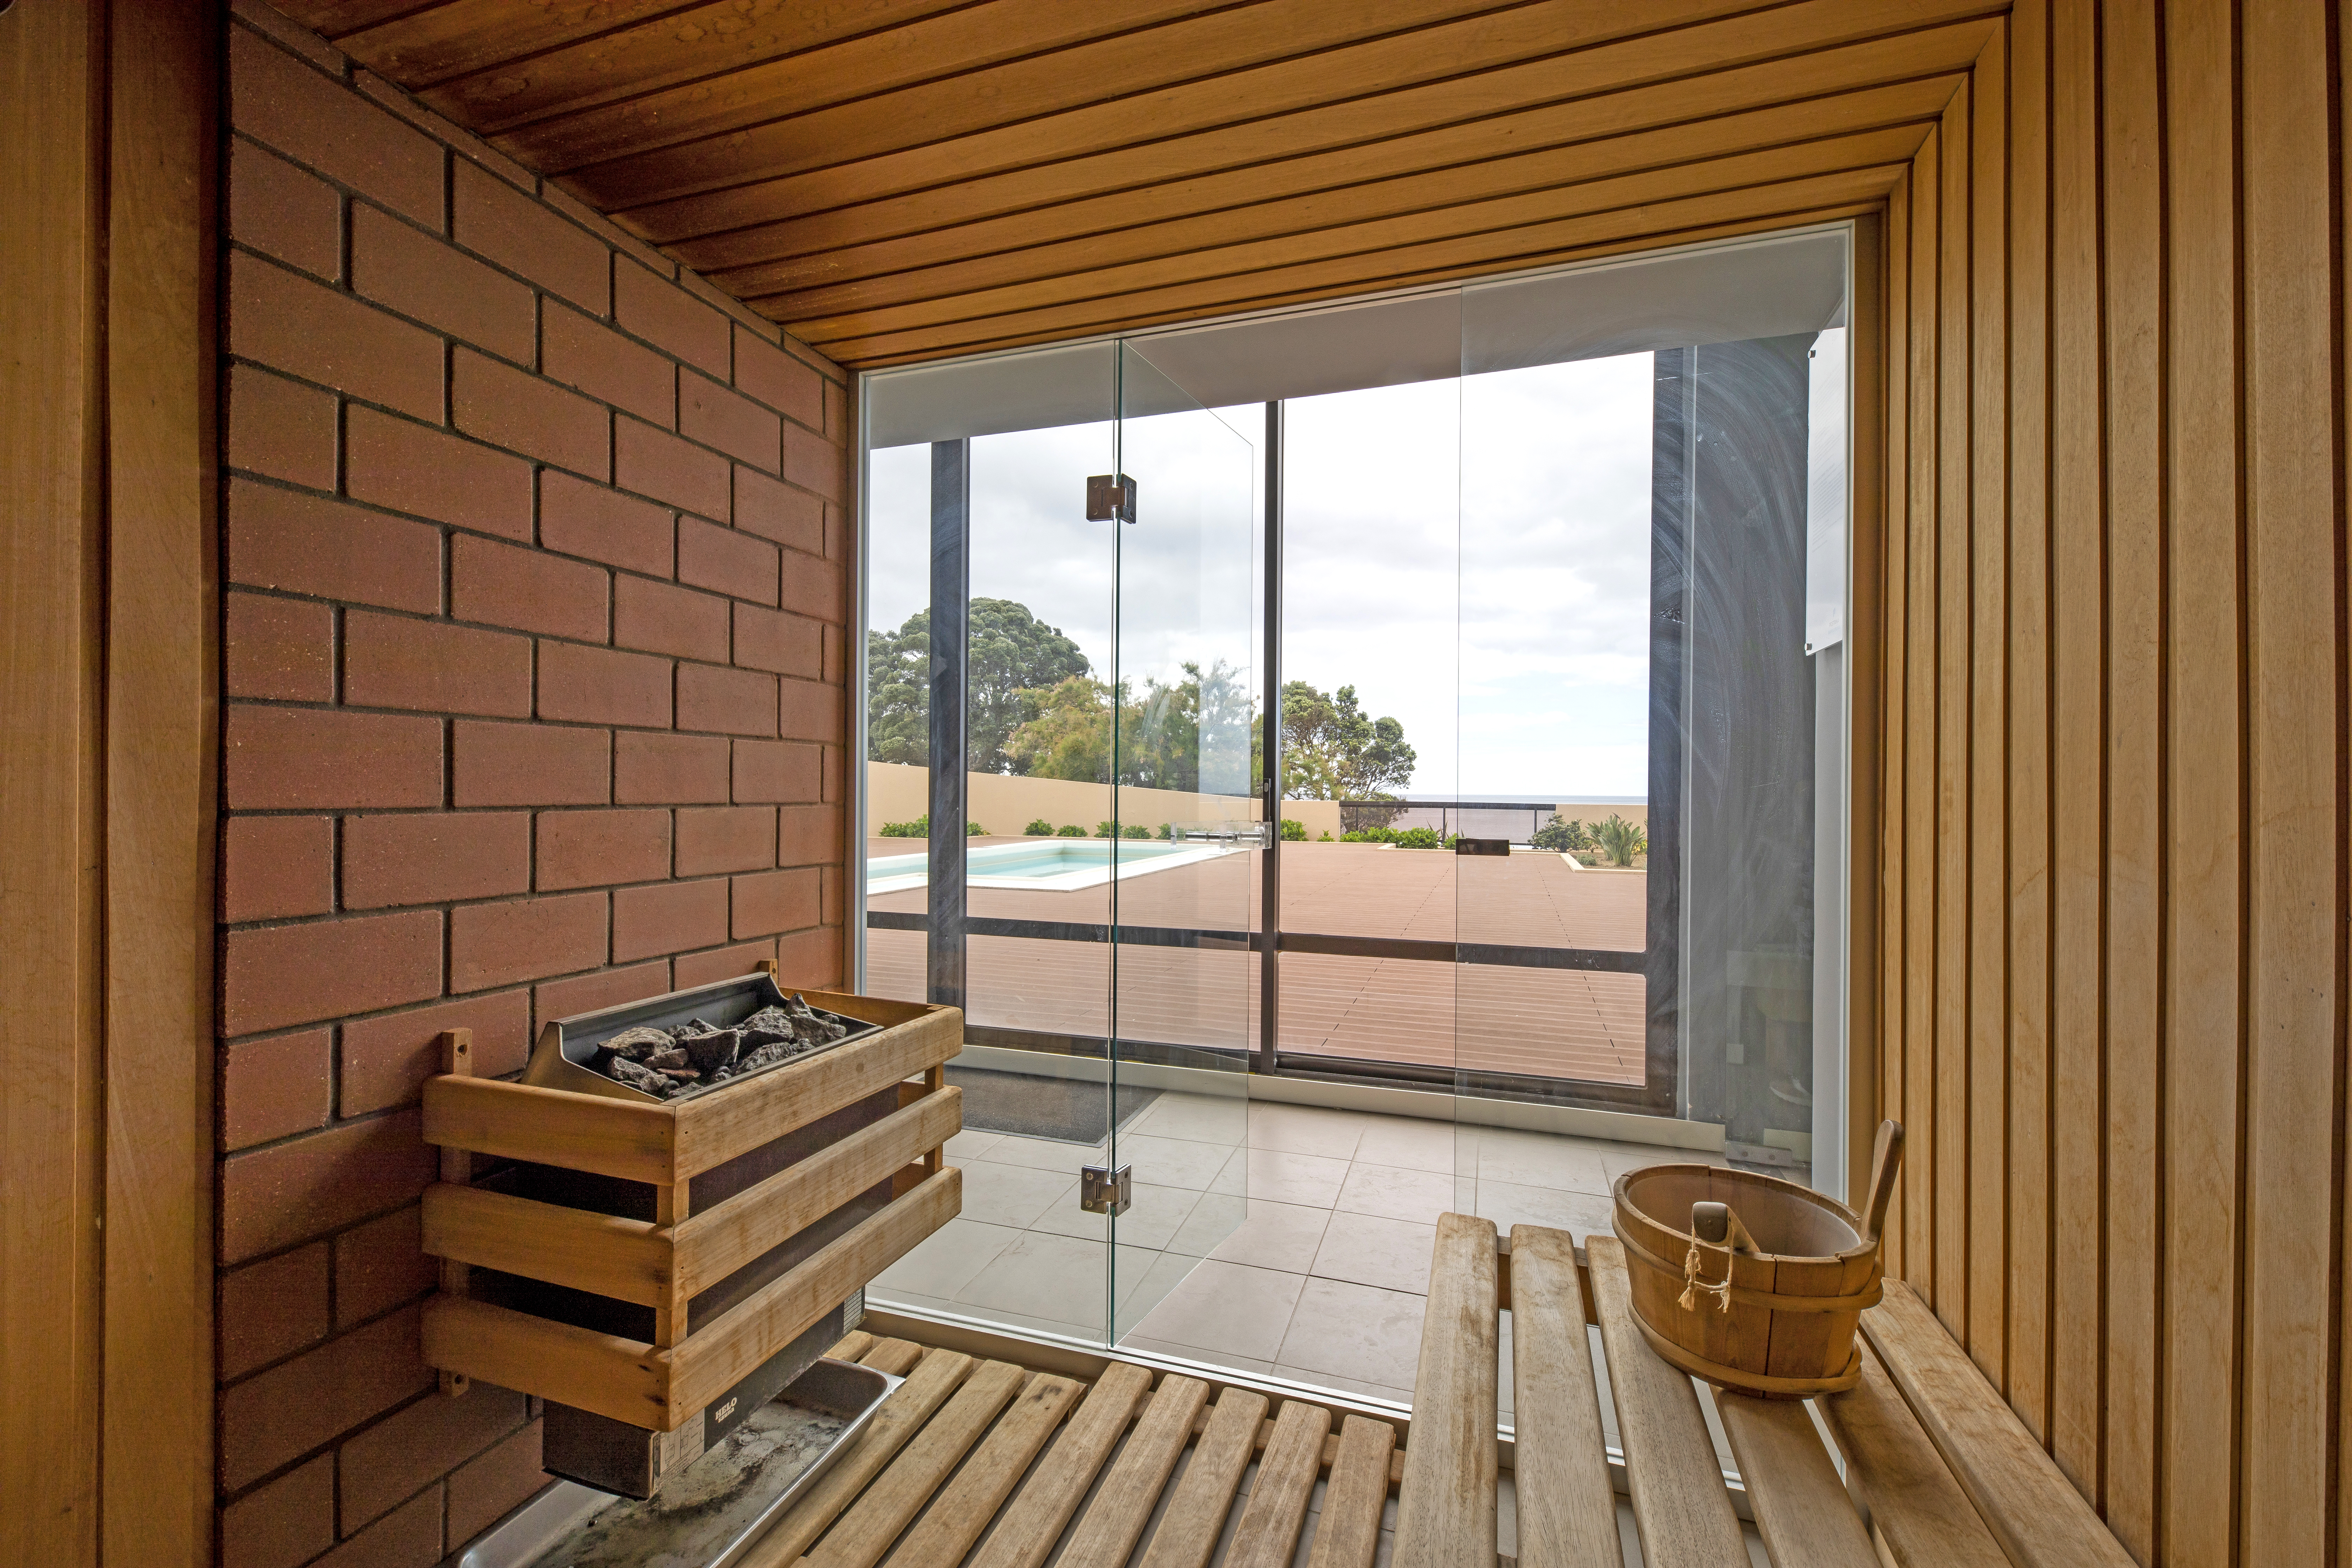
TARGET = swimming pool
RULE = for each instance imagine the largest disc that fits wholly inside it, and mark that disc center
(1059, 865)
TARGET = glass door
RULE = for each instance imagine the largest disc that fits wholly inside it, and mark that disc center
(1181, 505)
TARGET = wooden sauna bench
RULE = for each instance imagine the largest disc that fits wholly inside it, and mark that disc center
(999, 1452)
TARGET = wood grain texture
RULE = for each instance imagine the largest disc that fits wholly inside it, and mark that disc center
(714, 1128)
(627, 1380)
(1919, 1517)
(1189, 1529)
(629, 1259)
(1567, 1506)
(1033, 1521)
(1801, 1507)
(1106, 1534)
(930, 1386)
(52, 832)
(964, 1507)
(1266, 1536)
(162, 758)
(610, 1137)
(1679, 1502)
(1445, 1510)
(863, 1534)
(1347, 1526)
(2032, 1507)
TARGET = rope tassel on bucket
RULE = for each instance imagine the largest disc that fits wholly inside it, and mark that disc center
(1714, 1224)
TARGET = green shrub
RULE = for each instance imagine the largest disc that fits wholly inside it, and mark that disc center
(1106, 829)
(918, 828)
(1293, 830)
(1418, 839)
(1563, 838)
(1167, 832)
(1069, 830)
(1621, 840)
(1040, 828)
(974, 830)
(1326, 839)
(1370, 836)
(1135, 830)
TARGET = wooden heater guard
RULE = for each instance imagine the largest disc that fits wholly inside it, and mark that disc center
(664, 1263)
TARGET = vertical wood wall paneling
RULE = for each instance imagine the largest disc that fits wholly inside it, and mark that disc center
(1954, 619)
(2293, 582)
(52, 80)
(1921, 1263)
(1866, 662)
(1989, 717)
(2204, 827)
(2029, 880)
(2076, 616)
(162, 677)
(2133, 295)
(1894, 899)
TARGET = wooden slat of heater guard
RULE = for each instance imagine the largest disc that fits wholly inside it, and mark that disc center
(1801, 1507)
(931, 1382)
(717, 1241)
(890, 1504)
(1347, 1530)
(1036, 1519)
(456, 1171)
(713, 1128)
(1568, 1507)
(1445, 1510)
(1267, 1533)
(964, 1507)
(1919, 1517)
(1679, 1501)
(628, 1260)
(1106, 1535)
(2035, 1513)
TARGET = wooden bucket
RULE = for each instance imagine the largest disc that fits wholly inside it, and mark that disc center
(1773, 1315)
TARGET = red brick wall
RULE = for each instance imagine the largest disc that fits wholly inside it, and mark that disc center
(536, 587)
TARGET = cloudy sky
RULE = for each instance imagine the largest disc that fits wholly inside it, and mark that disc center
(1472, 556)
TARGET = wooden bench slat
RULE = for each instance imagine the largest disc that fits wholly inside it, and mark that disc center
(1918, 1514)
(1445, 1511)
(1034, 1520)
(2033, 1510)
(1195, 1519)
(1679, 1501)
(1800, 1506)
(1267, 1535)
(897, 1357)
(1106, 1535)
(963, 1508)
(929, 1385)
(1567, 1510)
(1347, 1531)
(889, 1505)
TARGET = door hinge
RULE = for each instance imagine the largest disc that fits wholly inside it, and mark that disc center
(1102, 1190)
(1110, 496)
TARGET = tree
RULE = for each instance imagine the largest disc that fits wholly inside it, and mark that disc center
(1012, 653)
(1331, 750)
(1621, 840)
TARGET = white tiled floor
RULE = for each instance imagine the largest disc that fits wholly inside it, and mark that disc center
(1305, 1253)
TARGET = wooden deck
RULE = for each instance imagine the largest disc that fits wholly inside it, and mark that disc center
(1546, 1022)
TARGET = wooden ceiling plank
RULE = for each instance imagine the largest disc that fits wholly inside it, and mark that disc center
(1739, 228)
(930, 136)
(461, 36)
(1604, 234)
(1090, 149)
(1777, 166)
(677, 85)
(973, 69)
(869, 241)
(1554, 168)
(337, 18)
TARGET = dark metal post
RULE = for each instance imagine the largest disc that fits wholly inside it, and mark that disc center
(1674, 423)
(949, 681)
(1269, 969)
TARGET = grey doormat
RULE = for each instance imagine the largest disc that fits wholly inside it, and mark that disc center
(1063, 1109)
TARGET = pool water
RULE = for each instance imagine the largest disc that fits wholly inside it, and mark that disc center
(1061, 864)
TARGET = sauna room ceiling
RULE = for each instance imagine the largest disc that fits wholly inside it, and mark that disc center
(900, 180)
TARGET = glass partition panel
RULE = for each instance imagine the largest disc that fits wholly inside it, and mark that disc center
(1185, 700)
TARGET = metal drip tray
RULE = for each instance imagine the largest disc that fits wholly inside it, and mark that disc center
(709, 1514)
